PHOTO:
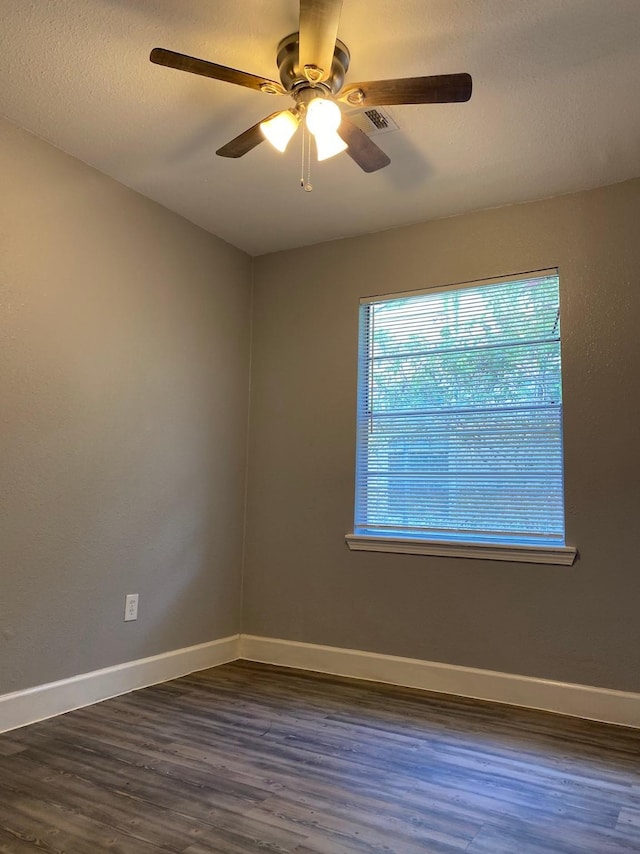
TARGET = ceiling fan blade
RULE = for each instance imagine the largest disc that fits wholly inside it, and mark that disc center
(242, 144)
(363, 150)
(318, 28)
(210, 69)
(438, 89)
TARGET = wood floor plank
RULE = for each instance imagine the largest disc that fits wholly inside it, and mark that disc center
(628, 825)
(549, 839)
(10, 844)
(53, 829)
(131, 816)
(248, 758)
(183, 790)
(8, 748)
(380, 811)
(630, 817)
(317, 820)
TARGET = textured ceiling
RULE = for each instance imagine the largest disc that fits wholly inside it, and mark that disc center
(555, 106)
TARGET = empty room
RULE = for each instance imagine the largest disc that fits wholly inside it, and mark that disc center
(319, 446)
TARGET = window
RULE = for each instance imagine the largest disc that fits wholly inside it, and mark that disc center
(459, 434)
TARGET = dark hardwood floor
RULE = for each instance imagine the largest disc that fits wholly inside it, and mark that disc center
(250, 758)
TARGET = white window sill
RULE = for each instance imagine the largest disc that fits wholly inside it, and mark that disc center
(560, 555)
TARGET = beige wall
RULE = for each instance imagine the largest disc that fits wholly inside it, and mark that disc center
(124, 336)
(124, 340)
(579, 624)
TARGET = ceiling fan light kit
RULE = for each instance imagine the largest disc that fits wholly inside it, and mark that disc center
(312, 65)
(279, 130)
(323, 120)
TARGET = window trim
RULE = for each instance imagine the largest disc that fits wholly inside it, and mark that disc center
(561, 555)
(456, 286)
(558, 555)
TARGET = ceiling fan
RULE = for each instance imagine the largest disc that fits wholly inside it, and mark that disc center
(313, 64)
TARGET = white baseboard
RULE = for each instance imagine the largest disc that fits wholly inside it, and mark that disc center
(583, 701)
(55, 698)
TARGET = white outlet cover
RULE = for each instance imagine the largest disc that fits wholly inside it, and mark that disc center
(130, 607)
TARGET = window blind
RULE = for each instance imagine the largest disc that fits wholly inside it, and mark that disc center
(459, 433)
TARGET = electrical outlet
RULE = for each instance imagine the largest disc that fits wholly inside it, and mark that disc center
(130, 607)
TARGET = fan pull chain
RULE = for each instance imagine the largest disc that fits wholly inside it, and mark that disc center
(307, 186)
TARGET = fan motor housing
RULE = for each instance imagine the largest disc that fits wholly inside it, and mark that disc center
(292, 76)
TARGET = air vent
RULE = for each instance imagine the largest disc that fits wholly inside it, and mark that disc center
(373, 120)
